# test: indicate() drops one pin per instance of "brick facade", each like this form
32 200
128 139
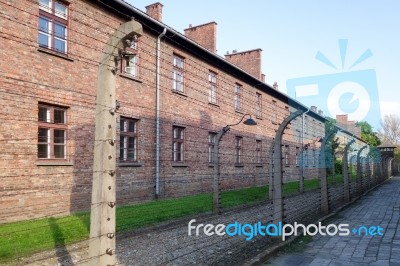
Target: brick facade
30 75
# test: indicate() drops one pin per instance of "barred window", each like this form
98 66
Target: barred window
128 136
212 93
53 25
239 149
177 73
238 97
178 144
211 144
52 132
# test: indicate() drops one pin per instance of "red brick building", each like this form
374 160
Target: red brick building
50 52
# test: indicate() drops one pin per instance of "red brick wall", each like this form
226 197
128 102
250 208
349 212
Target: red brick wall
29 76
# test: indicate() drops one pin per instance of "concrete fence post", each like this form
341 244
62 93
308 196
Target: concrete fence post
277 171
322 171
217 173
345 172
359 170
102 217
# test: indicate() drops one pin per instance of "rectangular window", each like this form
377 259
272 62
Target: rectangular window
258 105
53 25
212 93
238 97
128 137
177 74
297 156
286 154
258 151
211 144
239 149
129 64
178 143
52 132
274 115
305 158
314 158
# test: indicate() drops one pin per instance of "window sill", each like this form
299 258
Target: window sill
211 165
53 163
287 165
259 117
131 77
179 164
239 111
214 104
275 123
239 165
51 52
259 165
180 93
130 164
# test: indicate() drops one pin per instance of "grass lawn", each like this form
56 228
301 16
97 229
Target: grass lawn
27 237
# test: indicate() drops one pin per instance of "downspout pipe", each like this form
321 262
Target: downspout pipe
158 113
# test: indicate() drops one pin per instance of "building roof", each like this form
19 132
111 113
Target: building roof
128 10
386 144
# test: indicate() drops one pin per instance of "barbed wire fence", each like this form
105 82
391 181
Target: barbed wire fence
46 206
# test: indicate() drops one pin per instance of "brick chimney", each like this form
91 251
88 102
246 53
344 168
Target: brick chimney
263 78
342 120
249 61
155 11
205 35
314 108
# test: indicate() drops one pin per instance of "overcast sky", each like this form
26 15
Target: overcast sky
292 32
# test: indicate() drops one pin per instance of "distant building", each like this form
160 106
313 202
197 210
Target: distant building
343 122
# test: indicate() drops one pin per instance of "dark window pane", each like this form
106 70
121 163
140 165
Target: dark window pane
131 143
43 114
43 135
59 151
122 125
122 154
132 126
59 136
131 155
43 151
59 116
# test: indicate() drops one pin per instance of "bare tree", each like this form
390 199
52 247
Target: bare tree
390 129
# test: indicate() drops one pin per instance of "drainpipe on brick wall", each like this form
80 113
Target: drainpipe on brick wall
302 153
158 114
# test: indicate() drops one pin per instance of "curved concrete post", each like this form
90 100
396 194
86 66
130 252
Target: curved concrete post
359 169
390 161
102 216
352 166
322 172
277 177
345 171
217 173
